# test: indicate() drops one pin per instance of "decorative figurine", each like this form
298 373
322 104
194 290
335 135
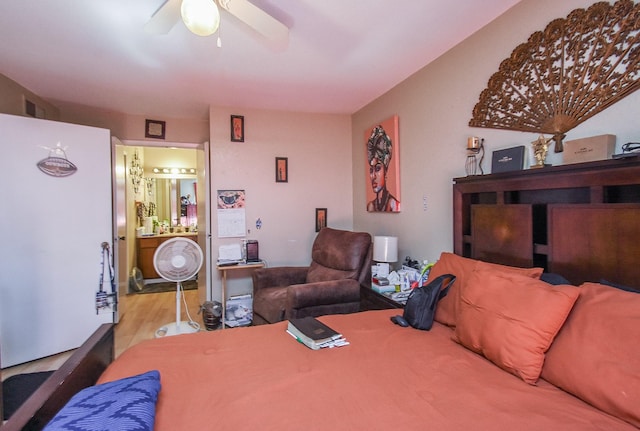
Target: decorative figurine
540 149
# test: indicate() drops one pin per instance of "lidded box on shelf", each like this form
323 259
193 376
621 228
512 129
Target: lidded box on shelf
599 147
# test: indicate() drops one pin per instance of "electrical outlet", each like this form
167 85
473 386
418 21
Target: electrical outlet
424 202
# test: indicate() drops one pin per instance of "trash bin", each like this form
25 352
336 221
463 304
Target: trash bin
211 314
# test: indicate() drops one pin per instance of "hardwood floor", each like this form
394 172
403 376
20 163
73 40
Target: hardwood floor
144 314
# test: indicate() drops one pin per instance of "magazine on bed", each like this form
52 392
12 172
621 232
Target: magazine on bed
314 334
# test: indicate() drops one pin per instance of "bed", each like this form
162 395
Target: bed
393 377
511 348
389 377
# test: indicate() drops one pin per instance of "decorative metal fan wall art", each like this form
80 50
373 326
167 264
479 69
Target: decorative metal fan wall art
560 77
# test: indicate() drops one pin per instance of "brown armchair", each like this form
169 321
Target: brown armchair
340 263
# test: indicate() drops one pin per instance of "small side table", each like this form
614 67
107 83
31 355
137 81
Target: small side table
226 268
372 300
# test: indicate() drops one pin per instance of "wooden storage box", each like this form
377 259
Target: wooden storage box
589 149
508 159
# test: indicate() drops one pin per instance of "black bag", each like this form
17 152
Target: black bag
421 304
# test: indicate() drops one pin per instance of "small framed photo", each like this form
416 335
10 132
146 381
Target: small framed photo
282 170
321 218
154 129
237 128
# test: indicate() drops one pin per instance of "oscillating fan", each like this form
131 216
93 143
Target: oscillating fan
178 259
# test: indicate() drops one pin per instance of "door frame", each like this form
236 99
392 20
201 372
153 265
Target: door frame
204 283
119 196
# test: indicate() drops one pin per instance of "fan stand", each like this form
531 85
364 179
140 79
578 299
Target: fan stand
178 327
178 259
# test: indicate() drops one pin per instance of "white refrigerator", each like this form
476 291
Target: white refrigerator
52 227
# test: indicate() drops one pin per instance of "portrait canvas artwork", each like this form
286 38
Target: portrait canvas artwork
383 166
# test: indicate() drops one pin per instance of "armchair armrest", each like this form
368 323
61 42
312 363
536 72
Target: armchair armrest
322 293
279 276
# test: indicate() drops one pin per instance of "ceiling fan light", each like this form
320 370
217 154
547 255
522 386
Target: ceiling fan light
201 17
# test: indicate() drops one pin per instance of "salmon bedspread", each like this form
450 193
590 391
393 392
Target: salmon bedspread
388 378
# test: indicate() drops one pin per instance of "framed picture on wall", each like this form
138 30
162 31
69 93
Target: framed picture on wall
282 170
321 218
237 128
154 129
383 166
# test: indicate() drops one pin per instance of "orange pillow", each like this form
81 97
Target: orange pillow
462 268
596 355
512 319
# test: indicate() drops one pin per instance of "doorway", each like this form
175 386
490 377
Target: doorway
162 193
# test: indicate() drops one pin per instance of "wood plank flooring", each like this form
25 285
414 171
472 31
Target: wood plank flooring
144 314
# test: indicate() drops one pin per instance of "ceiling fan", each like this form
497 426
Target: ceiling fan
163 20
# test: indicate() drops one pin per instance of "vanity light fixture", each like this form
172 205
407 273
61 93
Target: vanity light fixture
174 171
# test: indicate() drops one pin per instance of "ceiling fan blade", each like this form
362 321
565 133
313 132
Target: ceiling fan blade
257 19
163 20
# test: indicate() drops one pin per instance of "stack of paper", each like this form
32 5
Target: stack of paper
315 334
229 253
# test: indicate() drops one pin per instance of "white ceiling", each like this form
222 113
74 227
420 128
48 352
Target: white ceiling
341 54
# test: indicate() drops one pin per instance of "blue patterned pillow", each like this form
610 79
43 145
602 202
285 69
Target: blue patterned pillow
618 286
126 404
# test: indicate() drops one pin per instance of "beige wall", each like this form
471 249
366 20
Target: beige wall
13 98
434 108
327 155
319 153
124 126
132 127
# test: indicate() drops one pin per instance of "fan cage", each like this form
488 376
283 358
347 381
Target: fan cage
178 259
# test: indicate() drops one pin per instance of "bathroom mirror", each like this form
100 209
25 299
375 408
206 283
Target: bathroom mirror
175 200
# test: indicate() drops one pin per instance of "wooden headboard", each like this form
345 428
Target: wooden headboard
581 221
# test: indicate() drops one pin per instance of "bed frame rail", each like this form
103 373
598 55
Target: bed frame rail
81 370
